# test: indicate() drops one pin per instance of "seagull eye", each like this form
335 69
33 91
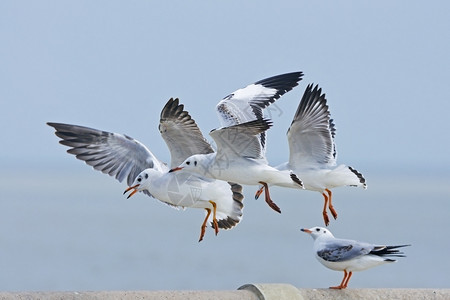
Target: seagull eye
139 179
317 229
146 176
188 163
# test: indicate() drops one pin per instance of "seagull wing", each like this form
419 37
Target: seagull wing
114 154
247 104
311 134
336 250
181 133
240 140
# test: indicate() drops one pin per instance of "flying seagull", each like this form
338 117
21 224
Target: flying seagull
123 157
241 141
312 151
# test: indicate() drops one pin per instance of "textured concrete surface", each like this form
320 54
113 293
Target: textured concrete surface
286 291
376 294
245 292
129 295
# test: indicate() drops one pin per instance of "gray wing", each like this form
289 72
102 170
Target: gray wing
181 133
247 104
311 134
341 250
241 140
114 154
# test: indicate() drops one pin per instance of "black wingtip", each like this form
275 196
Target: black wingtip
361 178
264 124
172 108
314 102
390 251
311 96
297 180
260 125
55 125
282 81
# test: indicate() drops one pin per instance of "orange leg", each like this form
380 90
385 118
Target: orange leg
348 278
216 225
203 228
268 200
330 205
343 282
324 211
259 192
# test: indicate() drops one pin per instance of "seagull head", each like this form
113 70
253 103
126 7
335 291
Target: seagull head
317 232
141 182
190 164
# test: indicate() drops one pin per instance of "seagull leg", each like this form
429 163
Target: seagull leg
216 225
348 278
342 285
259 192
324 211
203 228
268 200
330 206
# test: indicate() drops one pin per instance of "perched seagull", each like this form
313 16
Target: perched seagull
241 141
349 255
124 157
312 151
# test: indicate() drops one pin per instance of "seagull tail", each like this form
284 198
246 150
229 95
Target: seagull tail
230 214
345 175
389 251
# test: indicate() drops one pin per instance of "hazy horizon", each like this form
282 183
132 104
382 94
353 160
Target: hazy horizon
112 65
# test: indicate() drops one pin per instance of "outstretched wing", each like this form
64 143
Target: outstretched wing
311 134
181 133
241 140
114 154
247 104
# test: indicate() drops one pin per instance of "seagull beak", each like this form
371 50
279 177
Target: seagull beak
175 169
134 188
306 230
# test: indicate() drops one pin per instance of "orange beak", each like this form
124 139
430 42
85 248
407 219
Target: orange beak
306 230
175 169
134 188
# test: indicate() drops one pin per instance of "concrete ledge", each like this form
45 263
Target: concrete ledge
245 292
130 295
285 291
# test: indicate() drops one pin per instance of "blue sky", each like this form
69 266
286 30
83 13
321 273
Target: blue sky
112 65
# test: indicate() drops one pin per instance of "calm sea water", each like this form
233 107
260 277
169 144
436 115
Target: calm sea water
65 231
